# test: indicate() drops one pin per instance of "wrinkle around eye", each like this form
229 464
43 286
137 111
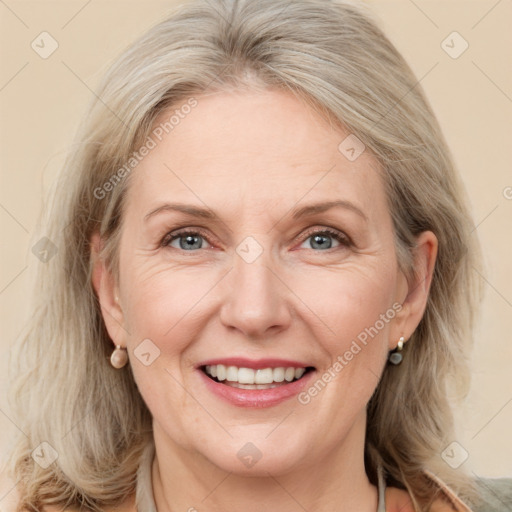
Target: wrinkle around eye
348 236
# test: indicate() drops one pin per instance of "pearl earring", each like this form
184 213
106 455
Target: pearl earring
119 357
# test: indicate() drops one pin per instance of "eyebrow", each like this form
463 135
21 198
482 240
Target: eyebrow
322 207
305 211
183 208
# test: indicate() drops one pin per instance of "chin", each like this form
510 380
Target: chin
258 457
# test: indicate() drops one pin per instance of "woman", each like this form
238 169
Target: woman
263 289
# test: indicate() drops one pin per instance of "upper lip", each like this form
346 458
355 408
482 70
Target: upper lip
255 364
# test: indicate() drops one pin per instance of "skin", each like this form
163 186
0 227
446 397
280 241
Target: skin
253 158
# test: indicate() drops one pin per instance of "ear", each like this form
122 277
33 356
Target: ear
416 288
107 291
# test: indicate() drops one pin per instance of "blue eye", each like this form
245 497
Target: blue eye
187 240
322 239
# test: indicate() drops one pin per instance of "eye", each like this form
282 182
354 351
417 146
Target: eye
322 239
187 240
190 240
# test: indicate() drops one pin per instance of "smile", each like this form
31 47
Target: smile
249 378
254 383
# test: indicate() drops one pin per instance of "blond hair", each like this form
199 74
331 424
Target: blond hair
332 55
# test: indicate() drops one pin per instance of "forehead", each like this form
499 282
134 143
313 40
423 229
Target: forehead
263 149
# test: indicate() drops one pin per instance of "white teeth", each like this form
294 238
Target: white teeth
278 374
247 378
264 376
232 373
289 374
251 386
221 372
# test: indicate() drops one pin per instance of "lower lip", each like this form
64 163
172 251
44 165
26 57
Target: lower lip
256 397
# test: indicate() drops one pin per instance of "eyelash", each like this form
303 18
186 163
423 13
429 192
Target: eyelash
337 235
343 239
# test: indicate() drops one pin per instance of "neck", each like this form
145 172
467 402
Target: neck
185 481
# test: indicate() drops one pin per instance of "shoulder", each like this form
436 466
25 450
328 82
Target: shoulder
127 505
398 500
10 499
496 495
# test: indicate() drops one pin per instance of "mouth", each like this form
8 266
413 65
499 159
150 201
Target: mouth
249 378
256 383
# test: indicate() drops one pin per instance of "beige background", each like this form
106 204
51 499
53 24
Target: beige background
41 101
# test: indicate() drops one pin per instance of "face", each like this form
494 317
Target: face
226 268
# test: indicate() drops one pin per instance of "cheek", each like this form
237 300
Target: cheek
352 311
168 304
160 312
164 302
349 301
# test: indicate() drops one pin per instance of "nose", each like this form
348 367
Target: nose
255 300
